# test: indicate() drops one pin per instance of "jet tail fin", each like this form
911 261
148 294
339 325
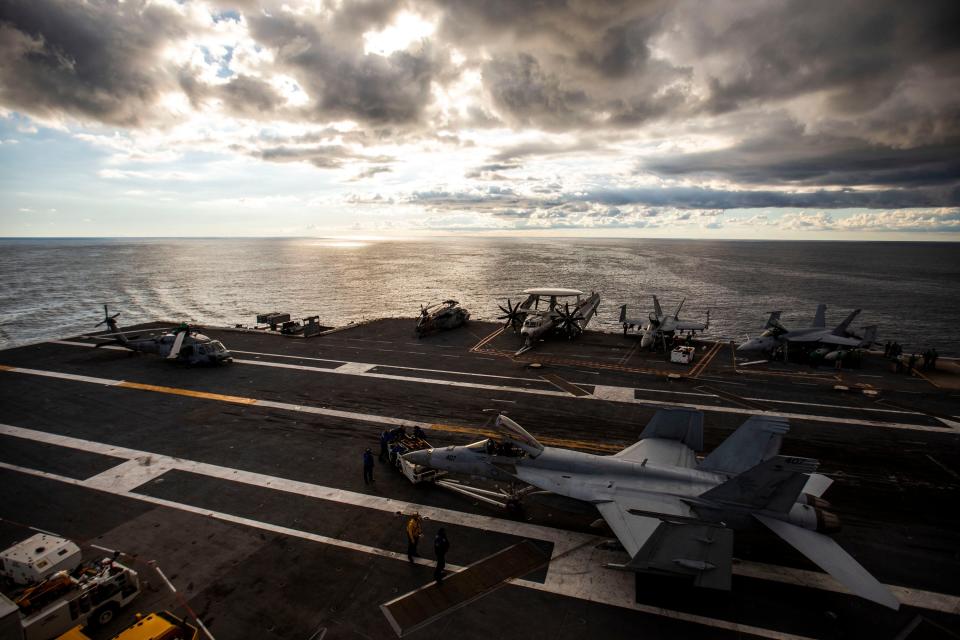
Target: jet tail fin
676 314
820 317
773 485
831 557
841 329
869 336
773 320
623 314
656 307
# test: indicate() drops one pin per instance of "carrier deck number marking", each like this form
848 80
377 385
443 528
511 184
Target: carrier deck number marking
571 555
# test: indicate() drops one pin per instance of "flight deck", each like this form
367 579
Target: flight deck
243 483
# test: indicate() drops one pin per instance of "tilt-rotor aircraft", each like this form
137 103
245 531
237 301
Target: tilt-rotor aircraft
673 514
534 322
817 336
660 325
180 343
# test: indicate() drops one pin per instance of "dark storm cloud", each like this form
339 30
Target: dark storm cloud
247 96
859 51
343 82
329 156
694 198
96 60
790 157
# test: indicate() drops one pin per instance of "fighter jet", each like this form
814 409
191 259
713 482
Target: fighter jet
660 325
817 336
180 343
672 514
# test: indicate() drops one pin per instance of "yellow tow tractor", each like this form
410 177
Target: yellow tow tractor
162 625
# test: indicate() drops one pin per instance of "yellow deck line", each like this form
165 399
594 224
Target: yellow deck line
187 392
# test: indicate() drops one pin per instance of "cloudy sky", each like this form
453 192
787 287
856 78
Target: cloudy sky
739 118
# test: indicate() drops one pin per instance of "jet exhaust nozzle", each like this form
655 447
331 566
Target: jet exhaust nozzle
827 521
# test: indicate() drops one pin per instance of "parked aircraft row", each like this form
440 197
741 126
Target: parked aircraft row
545 312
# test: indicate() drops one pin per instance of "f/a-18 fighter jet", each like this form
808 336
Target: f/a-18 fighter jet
179 343
535 318
660 325
673 514
817 336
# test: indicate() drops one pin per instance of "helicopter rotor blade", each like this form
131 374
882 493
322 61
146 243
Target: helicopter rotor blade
177 344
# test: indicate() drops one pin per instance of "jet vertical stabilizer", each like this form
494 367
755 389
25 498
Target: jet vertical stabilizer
820 317
841 329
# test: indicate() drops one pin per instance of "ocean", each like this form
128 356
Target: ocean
57 287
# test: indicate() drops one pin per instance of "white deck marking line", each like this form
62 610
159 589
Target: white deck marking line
352 367
501 388
356 368
570 573
388 376
616 394
72 343
129 475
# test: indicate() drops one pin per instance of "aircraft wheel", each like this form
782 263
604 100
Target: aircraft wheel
104 615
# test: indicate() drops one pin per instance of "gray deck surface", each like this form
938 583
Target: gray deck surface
244 483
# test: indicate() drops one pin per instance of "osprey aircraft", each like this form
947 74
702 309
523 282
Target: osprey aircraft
660 325
672 513
817 336
534 322
180 343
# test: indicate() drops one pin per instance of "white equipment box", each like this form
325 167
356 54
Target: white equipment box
682 355
37 558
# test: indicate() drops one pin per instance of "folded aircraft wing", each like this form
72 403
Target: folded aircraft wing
831 557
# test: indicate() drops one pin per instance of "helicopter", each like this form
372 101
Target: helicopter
441 316
180 343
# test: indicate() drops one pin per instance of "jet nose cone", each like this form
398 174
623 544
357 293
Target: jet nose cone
421 457
749 345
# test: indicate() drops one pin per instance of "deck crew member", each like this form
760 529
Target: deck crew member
384 444
440 547
414 531
367 466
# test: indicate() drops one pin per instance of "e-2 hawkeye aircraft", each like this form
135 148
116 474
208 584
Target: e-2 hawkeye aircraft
179 343
660 325
672 514
534 322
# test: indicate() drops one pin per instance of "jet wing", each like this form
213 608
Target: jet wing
670 438
660 451
754 441
831 557
686 325
695 549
